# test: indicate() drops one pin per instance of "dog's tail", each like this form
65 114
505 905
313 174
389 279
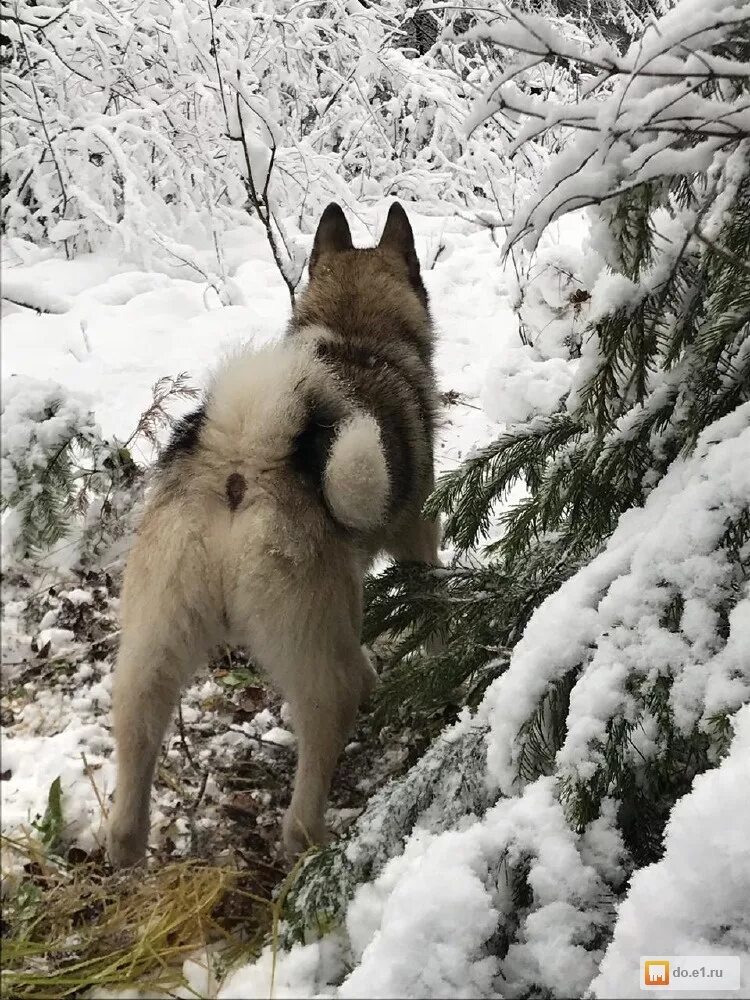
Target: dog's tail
282 404
356 484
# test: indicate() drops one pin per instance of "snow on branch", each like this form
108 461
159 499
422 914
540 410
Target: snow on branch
121 121
665 108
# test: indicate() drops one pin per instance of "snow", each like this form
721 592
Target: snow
625 127
24 291
141 326
520 385
410 910
443 898
124 329
280 737
494 891
299 974
612 292
34 762
608 614
695 900
37 418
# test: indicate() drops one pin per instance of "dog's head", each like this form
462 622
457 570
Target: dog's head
395 255
364 291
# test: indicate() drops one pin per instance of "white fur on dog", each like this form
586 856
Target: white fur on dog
252 398
356 483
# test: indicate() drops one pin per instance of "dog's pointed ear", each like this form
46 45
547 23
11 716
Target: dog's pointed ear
398 237
397 234
333 234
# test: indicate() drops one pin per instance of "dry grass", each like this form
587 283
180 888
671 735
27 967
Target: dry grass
71 928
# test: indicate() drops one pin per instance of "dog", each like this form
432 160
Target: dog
305 460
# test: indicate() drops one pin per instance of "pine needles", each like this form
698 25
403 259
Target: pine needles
658 364
471 618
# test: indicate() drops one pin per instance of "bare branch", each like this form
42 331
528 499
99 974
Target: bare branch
260 202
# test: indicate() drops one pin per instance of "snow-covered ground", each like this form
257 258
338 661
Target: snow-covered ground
122 329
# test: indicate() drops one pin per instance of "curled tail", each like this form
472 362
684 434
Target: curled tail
356 484
282 405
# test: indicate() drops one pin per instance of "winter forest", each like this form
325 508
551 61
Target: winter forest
561 785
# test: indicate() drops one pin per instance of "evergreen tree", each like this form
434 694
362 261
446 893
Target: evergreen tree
60 477
663 378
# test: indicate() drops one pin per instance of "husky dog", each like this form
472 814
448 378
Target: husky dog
305 460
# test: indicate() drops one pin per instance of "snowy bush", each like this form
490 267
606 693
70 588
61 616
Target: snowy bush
699 854
46 433
123 119
642 652
653 325
516 904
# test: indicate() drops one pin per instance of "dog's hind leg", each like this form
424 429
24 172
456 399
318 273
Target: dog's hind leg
164 638
147 687
323 696
418 541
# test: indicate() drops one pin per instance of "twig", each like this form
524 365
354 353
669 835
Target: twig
183 741
260 740
613 67
194 835
24 305
42 121
87 771
215 48
201 792
732 258
260 203
436 258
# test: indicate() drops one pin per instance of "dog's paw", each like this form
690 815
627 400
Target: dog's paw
125 849
299 837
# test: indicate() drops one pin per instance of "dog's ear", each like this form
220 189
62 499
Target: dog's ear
398 237
397 234
333 234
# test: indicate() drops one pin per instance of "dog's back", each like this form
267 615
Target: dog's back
279 421
304 460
